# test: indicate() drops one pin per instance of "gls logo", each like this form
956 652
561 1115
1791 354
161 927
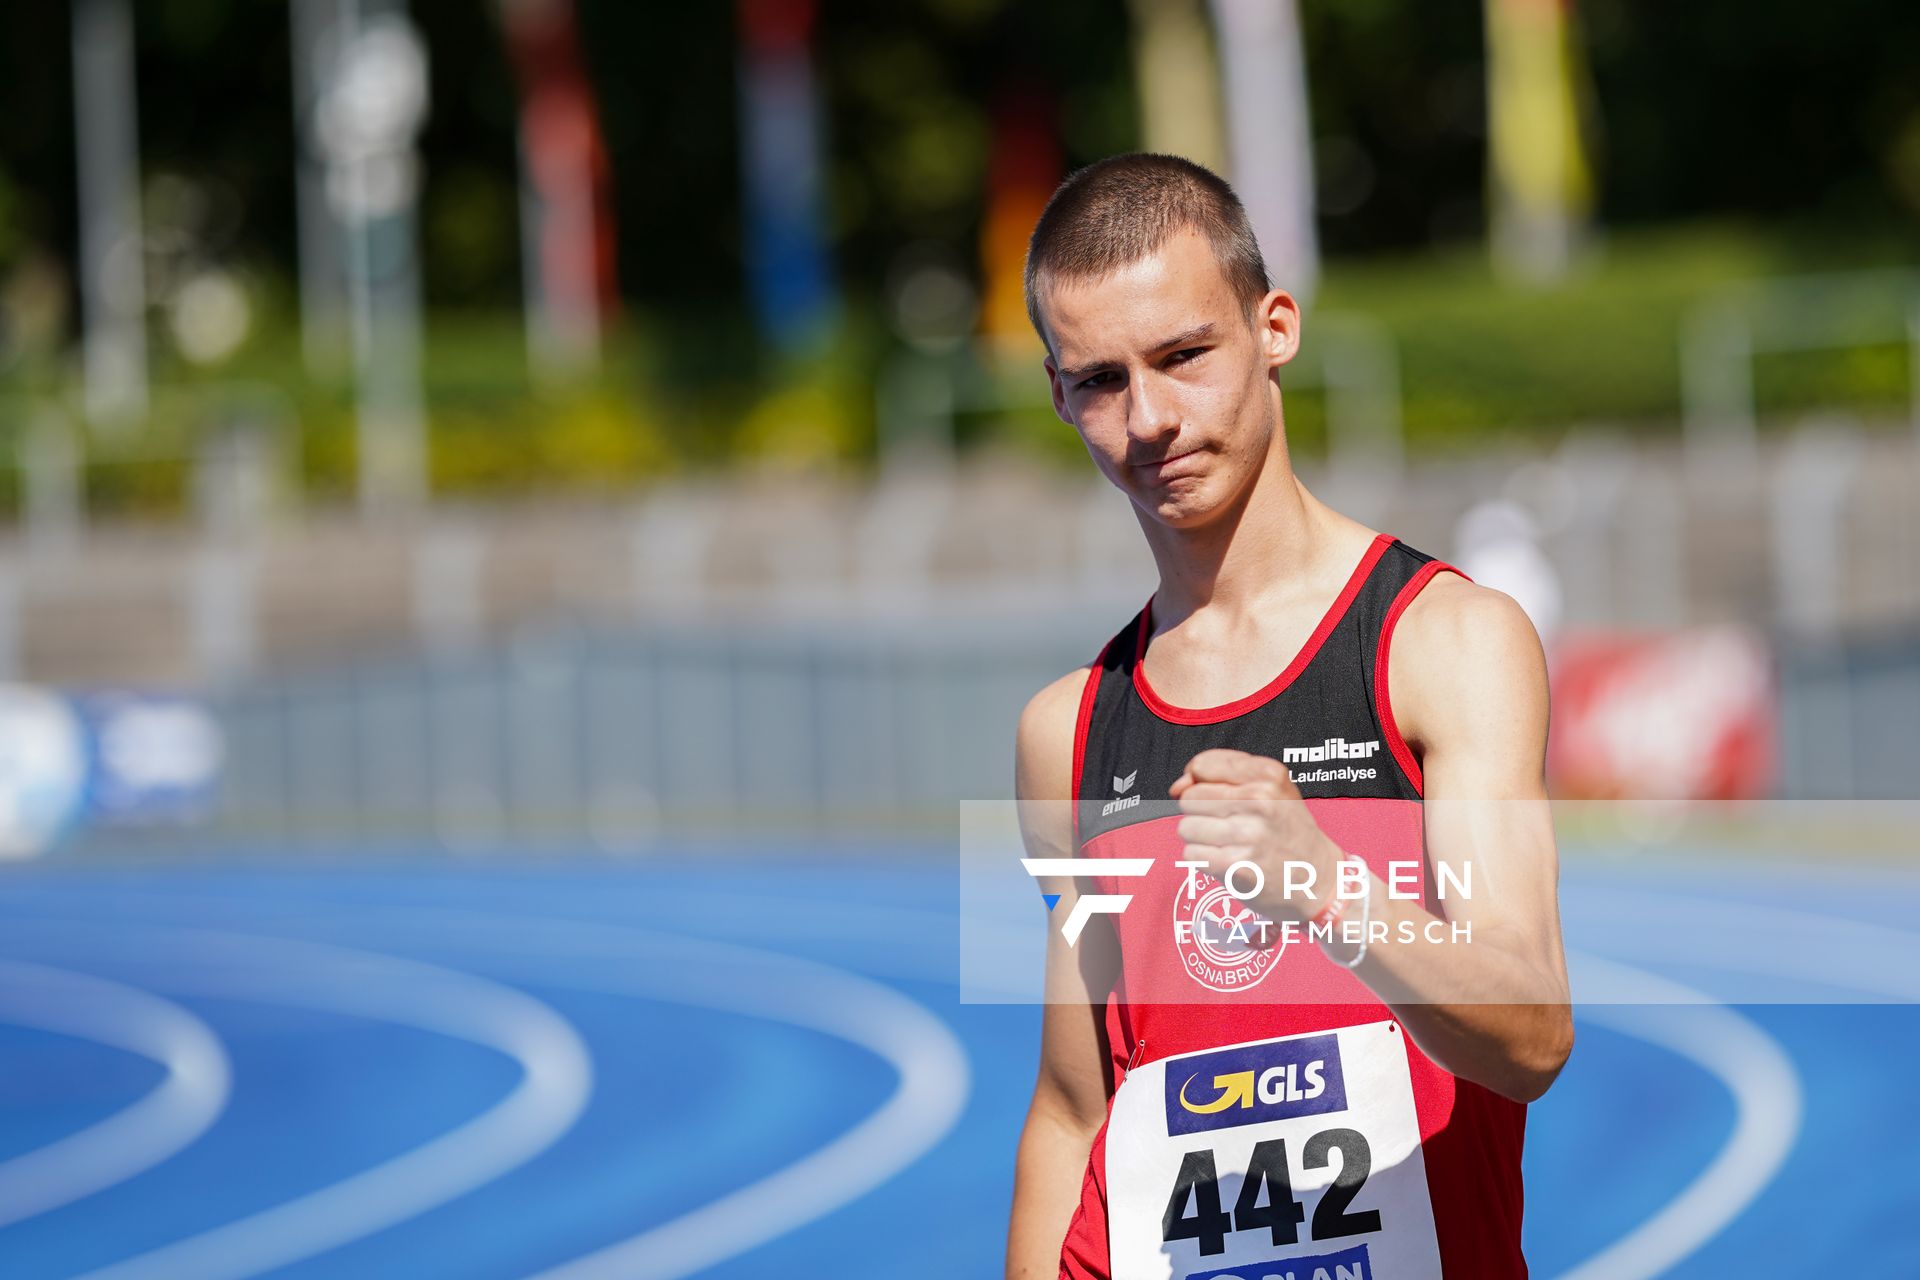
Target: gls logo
1276 1084
1255 1083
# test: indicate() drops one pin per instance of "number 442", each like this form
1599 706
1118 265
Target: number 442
1281 1214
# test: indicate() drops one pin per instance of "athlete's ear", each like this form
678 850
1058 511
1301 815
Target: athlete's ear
1276 325
1059 392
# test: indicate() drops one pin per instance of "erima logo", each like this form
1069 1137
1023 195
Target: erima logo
1121 785
1255 1083
1331 749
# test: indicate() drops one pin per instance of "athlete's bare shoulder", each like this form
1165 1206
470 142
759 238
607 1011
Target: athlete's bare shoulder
1467 667
1043 750
1452 608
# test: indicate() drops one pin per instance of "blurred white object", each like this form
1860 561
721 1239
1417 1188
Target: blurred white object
1716 392
449 587
371 110
43 769
314 27
1593 472
671 544
899 536
211 317
161 744
933 305
112 267
372 103
156 759
221 589
1811 499
1269 134
1497 545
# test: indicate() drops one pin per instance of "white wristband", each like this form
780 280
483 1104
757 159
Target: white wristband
1366 918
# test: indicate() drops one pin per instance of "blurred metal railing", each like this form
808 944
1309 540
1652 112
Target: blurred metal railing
577 735
1850 717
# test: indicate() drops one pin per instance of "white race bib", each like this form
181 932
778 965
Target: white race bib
1289 1159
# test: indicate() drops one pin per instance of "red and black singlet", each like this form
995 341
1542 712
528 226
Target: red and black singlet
1188 987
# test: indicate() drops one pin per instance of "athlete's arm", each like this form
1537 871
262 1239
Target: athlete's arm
1070 1095
1468 686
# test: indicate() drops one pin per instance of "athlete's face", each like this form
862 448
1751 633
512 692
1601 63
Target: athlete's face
1166 378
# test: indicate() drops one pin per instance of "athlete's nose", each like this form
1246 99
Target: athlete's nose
1153 414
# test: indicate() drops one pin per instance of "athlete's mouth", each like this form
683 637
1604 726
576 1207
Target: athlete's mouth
1159 467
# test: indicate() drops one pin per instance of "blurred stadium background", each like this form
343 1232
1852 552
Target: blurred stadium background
499 498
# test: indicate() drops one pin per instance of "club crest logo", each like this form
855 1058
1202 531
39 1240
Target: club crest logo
1222 941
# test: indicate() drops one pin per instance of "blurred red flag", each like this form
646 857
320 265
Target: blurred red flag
565 159
1685 715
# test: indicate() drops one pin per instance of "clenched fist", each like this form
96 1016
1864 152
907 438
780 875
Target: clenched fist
1238 807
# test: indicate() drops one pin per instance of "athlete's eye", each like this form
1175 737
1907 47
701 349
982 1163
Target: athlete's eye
1188 355
1095 381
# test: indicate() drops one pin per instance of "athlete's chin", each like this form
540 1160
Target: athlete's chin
1184 503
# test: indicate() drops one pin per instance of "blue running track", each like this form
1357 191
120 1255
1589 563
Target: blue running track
759 1066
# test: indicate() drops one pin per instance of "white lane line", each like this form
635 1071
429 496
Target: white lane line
1731 1047
1768 941
161 1122
934 1081
931 1092
1759 940
921 945
1756 1070
556 1080
933 1085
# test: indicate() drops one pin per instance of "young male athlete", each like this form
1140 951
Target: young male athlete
1242 1083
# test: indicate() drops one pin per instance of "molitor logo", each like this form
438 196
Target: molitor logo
1224 944
1255 1083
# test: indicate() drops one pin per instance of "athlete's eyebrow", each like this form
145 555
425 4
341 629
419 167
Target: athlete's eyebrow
1199 333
